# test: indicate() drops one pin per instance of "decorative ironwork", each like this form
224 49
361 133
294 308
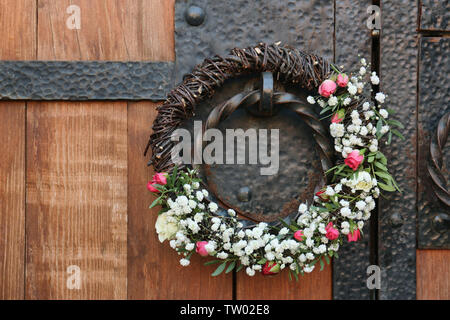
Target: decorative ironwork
435 169
84 80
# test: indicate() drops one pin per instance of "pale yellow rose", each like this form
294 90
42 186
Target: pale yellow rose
165 228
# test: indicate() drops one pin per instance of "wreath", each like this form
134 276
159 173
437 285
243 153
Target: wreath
194 223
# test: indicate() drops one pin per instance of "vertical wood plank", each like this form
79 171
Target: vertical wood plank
18 29
314 286
76 199
433 274
154 271
110 30
12 200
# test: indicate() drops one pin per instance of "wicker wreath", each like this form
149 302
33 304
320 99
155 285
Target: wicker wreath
190 218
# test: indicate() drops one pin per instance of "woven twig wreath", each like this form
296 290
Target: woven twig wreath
435 169
191 219
287 64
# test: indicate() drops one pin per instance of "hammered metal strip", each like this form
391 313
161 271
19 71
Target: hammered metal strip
434 95
352 38
84 80
397 214
435 15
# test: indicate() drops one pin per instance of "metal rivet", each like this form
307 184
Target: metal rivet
441 222
375 33
195 15
396 220
244 194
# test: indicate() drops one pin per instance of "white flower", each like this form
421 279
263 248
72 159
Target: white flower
329 191
190 246
338 188
384 113
344 203
308 269
374 78
337 130
302 208
195 185
345 211
231 212
222 255
321 103
363 131
384 129
362 182
352 89
165 228
250 271
187 188
380 97
182 201
283 231
309 242
199 195
345 225
373 148
311 100
302 257
366 106
310 256
184 262
213 207
360 224
332 101
347 101
192 204
363 61
361 204
205 192
362 71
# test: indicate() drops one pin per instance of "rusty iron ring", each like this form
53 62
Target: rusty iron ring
289 65
248 99
436 168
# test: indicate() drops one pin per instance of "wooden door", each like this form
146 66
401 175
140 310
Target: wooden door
73 175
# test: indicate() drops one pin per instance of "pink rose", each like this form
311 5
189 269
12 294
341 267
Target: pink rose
151 188
271 268
354 159
354 236
332 232
298 235
342 80
336 118
327 88
200 248
321 194
160 178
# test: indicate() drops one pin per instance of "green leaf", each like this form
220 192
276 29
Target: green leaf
398 134
321 265
239 268
327 259
155 202
381 166
370 159
231 267
389 138
396 123
211 262
385 187
383 175
379 125
262 261
219 269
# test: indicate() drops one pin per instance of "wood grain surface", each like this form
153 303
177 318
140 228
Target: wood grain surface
76 210
12 200
154 271
109 30
433 274
18 29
